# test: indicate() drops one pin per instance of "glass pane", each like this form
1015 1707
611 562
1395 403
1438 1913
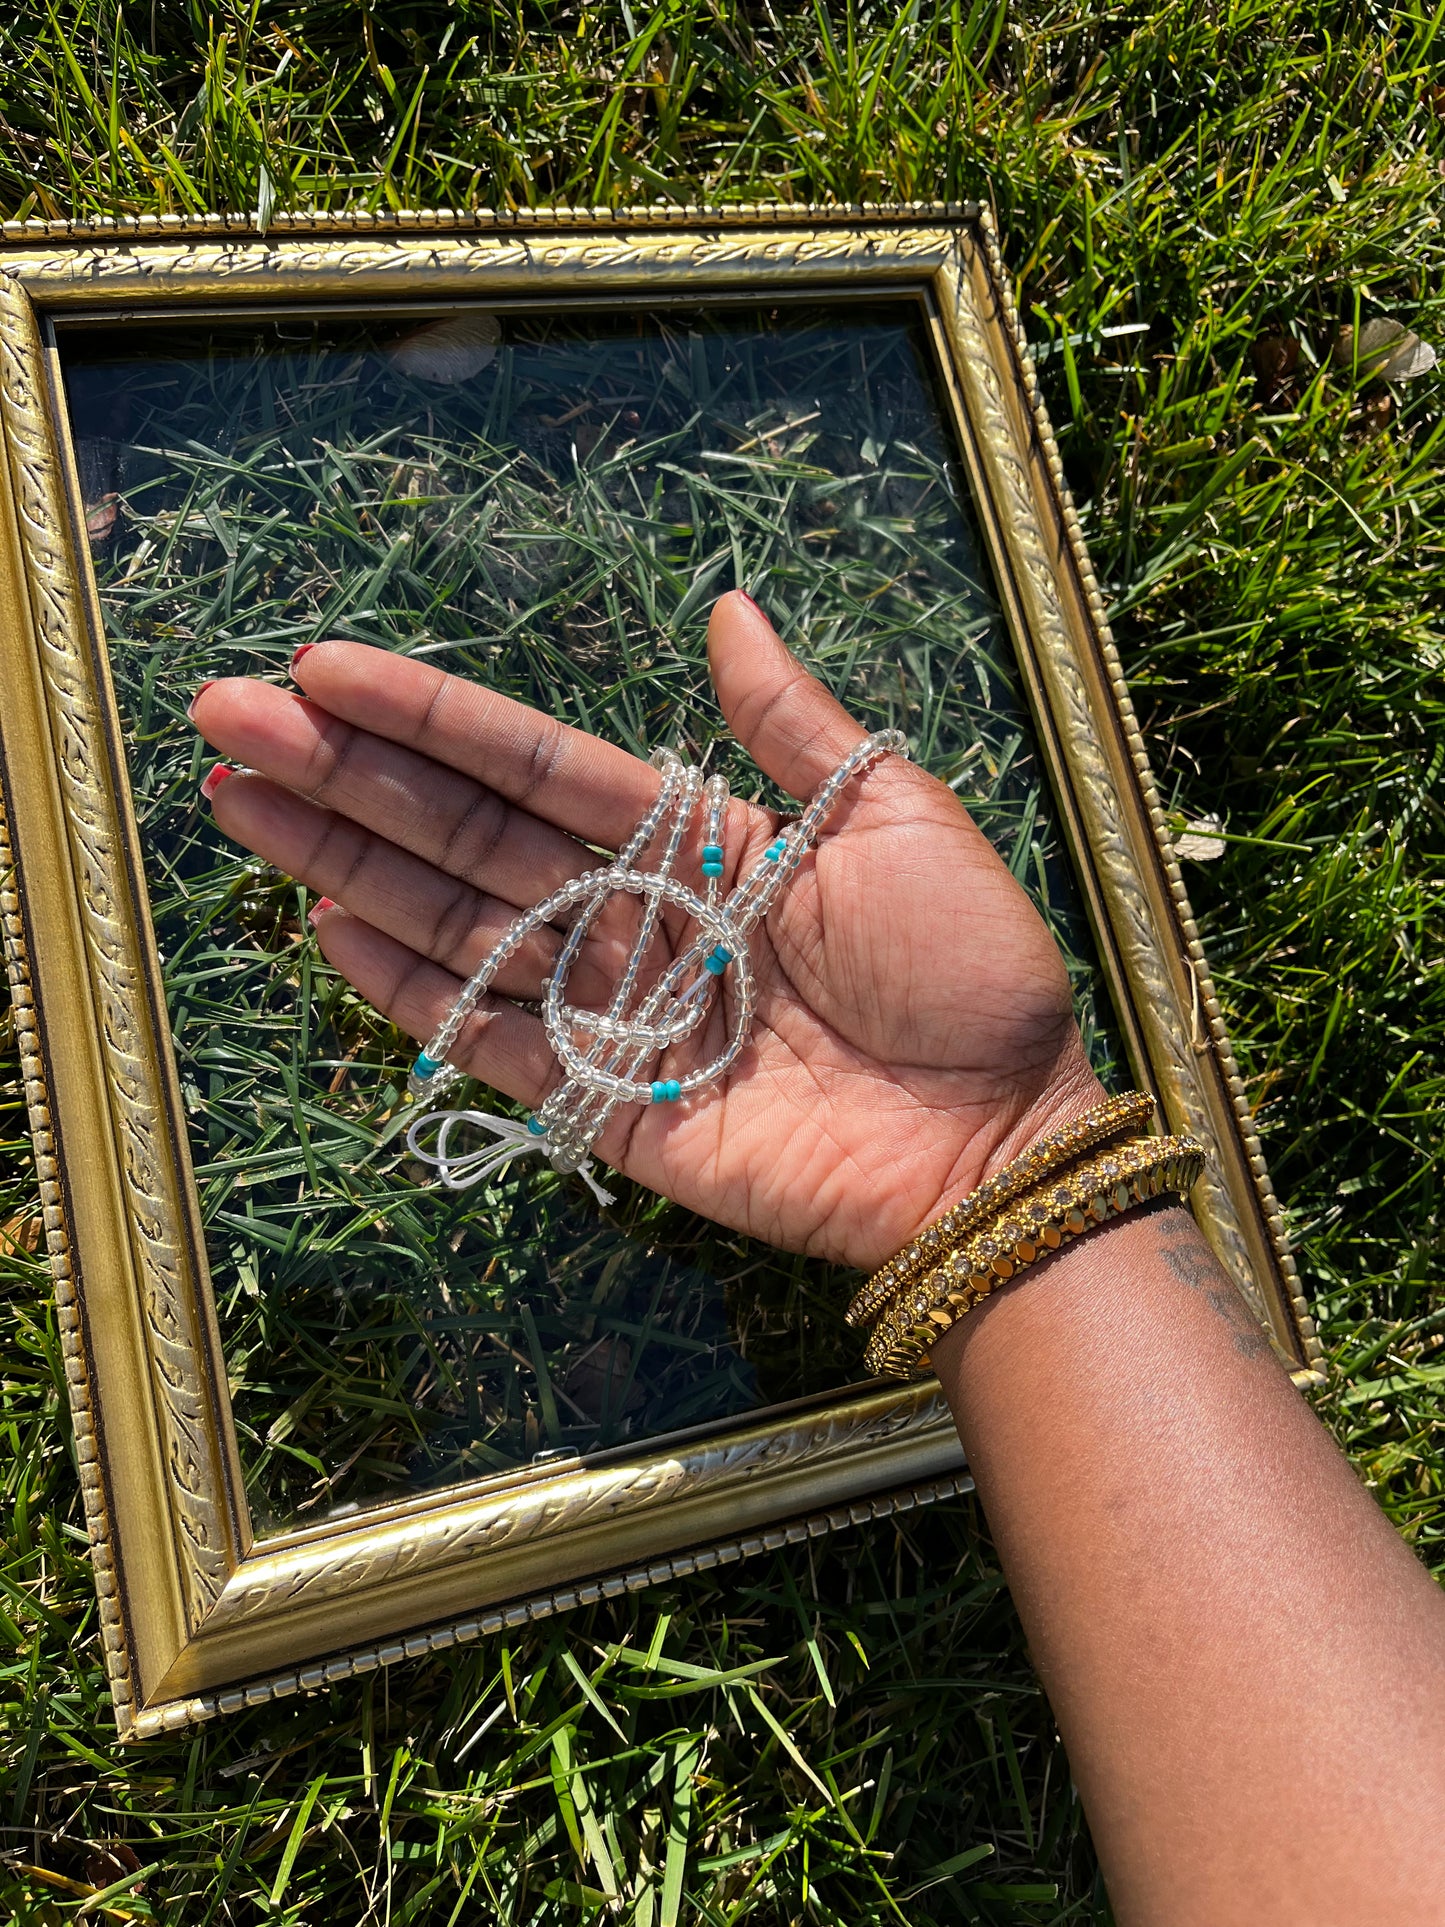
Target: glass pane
550 502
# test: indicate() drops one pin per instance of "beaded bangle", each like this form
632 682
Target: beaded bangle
1040 1222
1127 1112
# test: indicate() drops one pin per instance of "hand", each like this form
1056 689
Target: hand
914 1027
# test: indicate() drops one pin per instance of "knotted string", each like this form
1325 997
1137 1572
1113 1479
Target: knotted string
466 1168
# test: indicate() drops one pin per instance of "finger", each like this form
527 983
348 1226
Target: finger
791 726
579 783
451 821
507 1049
449 921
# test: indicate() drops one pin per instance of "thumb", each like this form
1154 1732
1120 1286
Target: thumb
794 729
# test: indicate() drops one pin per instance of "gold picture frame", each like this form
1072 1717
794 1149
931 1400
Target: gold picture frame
199 1615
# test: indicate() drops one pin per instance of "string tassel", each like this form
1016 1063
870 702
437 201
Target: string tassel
512 1136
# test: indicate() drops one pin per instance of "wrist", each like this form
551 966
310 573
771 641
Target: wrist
968 1150
1069 1090
1084 1171
1072 1090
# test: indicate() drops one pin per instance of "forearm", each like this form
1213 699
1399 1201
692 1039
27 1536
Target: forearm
1247 1664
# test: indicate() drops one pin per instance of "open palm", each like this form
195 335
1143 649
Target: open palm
913 1015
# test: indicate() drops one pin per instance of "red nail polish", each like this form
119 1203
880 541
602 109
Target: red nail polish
751 604
319 909
214 781
299 654
191 706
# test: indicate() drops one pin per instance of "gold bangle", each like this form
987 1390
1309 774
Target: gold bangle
1074 1202
992 1255
1058 1212
1128 1112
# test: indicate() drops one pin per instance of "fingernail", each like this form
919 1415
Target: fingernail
751 604
319 909
299 654
214 781
191 706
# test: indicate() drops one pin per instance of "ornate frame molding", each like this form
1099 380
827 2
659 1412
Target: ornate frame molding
196 1618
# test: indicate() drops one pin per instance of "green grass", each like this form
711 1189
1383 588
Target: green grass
380 1338
850 1733
559 524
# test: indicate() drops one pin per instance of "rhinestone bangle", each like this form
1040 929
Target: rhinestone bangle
1116 1116
1101 1188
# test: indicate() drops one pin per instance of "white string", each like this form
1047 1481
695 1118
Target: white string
461 1172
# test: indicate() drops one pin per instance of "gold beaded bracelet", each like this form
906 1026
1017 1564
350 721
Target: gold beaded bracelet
1052 1215
1116 1116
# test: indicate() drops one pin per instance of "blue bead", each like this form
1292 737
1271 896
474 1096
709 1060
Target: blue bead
674 1090
425 1066
723 956
715 964
712 853
659 1093
774 851
536 1127
711 869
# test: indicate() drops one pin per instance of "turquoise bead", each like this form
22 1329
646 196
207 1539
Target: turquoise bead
718 962
712 853
659 1093
774 851
674 1090
425 1066
711 869
667 1090
536 1127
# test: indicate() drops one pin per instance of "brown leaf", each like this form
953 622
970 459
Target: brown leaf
448 352
25 1232
1275 358
98 459
1377 411
100 518
109 1861
598 1379
1385 350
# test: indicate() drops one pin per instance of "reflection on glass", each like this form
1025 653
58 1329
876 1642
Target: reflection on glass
550 503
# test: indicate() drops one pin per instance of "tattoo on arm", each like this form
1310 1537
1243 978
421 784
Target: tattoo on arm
1183 1249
